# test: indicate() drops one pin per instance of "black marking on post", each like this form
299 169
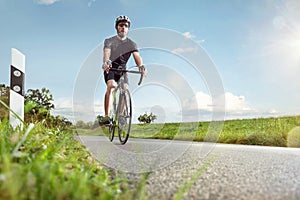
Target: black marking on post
17 80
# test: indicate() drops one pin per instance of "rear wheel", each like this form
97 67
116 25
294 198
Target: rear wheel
124 116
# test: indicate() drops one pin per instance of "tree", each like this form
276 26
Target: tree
147 118
38 104
4 91
58 121
4 97
36 109
82 125
37 100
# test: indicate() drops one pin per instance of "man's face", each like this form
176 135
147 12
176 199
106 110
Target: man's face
122 29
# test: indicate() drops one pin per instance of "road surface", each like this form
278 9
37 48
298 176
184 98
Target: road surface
190 170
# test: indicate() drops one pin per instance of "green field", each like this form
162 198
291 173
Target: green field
282 131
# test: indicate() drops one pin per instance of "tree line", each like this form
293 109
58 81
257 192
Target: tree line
37 106
145 119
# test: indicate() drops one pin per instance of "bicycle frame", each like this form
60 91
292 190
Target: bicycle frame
118 106
115 114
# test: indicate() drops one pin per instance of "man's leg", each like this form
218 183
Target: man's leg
110 87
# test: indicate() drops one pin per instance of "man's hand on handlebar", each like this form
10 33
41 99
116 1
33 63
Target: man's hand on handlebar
143 70
107 65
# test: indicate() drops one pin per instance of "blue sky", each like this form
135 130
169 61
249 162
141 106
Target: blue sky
254 45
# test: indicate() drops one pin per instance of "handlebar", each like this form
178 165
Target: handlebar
130 71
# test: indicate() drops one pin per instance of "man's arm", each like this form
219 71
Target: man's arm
139 61
137 58
106 55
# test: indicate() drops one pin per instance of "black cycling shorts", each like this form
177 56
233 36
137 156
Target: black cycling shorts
112 75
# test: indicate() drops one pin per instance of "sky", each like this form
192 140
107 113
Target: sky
252 49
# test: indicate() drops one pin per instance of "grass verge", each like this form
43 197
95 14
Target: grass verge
41 163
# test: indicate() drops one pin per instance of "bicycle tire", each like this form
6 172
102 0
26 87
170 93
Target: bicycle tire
113 113
111 132
124 116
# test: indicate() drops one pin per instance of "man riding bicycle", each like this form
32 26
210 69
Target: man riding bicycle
116 53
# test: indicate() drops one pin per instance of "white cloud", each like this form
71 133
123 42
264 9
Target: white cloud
63 103
234 104
47 2
188 35
91 2
272 111
200 41
184 50
200 101
188 49
65 107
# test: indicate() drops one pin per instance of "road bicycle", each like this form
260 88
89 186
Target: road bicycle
121 111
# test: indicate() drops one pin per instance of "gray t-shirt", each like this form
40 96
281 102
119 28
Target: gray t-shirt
120 50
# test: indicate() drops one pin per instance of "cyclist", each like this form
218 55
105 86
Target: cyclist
116 52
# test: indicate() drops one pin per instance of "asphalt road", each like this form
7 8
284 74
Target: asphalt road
189 170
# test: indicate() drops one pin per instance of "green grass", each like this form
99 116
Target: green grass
262 131
41 163
91 132
281 131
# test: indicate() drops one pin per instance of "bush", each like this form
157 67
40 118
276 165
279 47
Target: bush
147 119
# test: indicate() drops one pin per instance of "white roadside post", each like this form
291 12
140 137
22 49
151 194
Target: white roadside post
17 77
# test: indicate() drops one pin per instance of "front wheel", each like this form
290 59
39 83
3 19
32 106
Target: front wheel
113 112
124 116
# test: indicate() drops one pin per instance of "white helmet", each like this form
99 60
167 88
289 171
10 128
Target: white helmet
122 18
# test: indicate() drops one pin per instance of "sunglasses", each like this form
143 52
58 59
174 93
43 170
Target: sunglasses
122 24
